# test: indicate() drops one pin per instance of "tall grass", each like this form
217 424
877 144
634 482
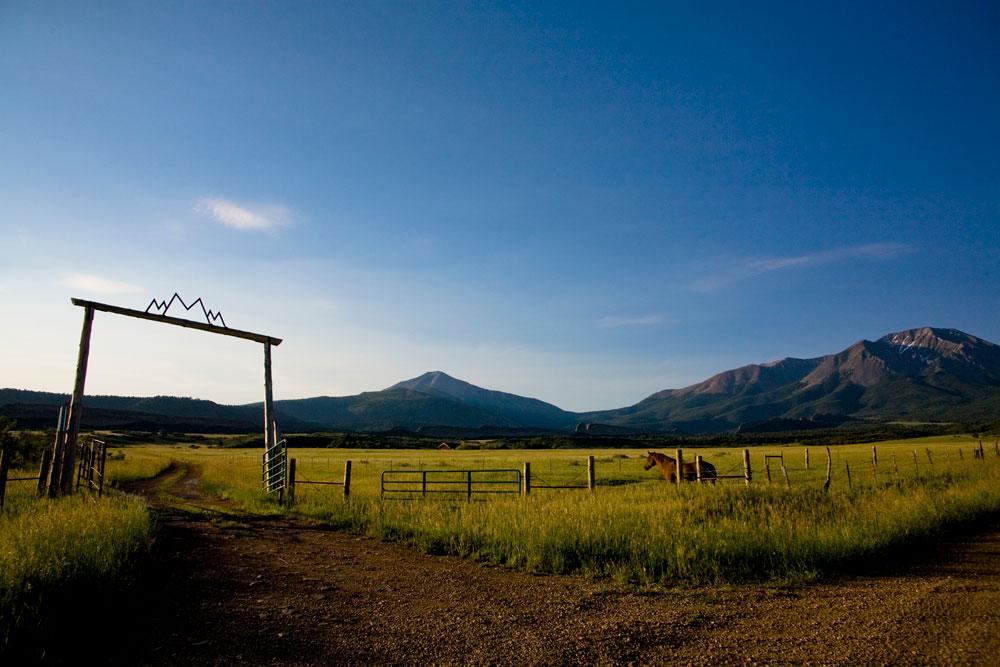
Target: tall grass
694 534
638 528
57 553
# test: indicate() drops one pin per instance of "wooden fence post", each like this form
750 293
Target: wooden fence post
697 468
526 478
104 460
347 479
679 455
916 464
468 482
929 459
291 481
767 469
43 470
996 447
847 466
784 473
747 473
591 478
982 454
4 467
829 470
807 458
961 457
875 465
57 453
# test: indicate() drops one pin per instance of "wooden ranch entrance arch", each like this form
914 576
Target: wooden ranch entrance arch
64 454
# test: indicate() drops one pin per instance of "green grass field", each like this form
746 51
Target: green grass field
635 527
54 553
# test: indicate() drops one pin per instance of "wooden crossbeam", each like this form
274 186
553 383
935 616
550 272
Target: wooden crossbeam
187 324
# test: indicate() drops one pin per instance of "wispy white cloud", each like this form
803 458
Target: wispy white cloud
88 282
616 321
752 268
244 216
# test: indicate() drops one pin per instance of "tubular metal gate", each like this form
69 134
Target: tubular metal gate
275 467
468 482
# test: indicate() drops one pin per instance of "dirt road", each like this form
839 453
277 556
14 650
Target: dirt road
233 590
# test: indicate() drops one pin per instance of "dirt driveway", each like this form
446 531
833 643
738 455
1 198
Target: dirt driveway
233 590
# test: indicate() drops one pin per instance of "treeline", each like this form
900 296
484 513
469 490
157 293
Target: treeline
28 445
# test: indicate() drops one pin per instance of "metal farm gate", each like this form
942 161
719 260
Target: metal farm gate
411 483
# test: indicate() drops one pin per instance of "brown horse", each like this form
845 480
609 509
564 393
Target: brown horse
668 466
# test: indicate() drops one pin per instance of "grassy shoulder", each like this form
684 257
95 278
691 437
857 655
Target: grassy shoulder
58 556
690 535
638 528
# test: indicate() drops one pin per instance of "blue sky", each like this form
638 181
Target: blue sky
580 202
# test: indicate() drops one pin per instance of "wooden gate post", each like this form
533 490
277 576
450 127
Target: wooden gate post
697 468
347 479
268 403
747 473
526 478
76 404
829 470
784 473
4 467
591 482
291 481
679 455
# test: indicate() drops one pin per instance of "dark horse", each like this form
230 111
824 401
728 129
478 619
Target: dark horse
668 466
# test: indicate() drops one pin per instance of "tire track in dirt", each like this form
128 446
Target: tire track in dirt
229 589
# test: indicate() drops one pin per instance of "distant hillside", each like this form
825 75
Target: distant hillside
391 408
139 413
923 374
918 374
505 409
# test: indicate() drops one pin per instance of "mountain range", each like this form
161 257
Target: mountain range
924 374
